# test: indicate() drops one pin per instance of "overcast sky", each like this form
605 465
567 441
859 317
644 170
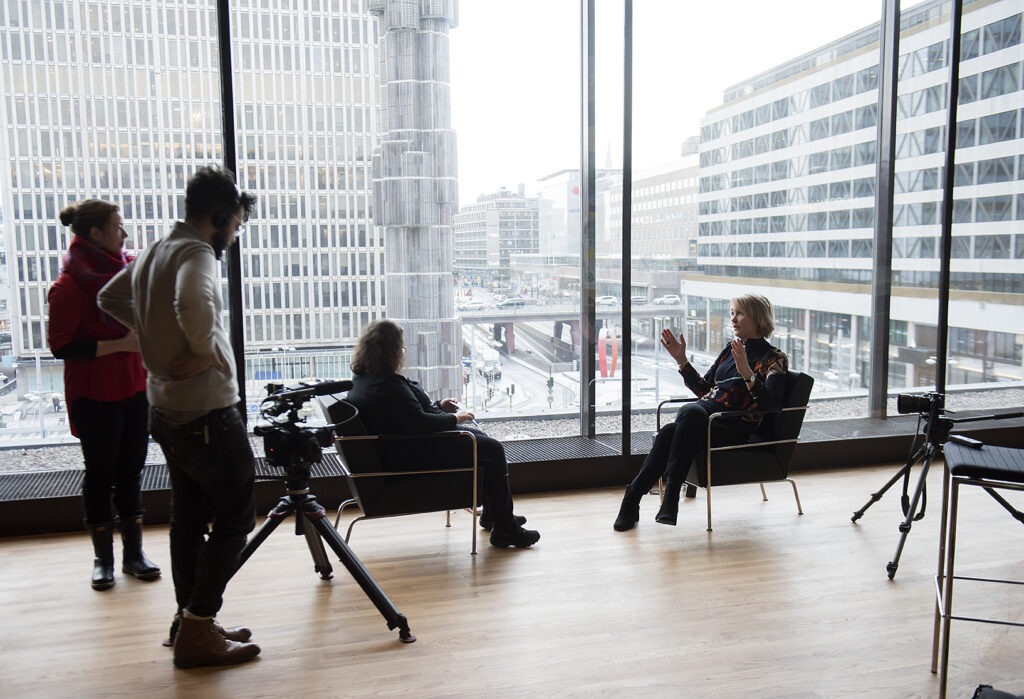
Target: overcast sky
515 75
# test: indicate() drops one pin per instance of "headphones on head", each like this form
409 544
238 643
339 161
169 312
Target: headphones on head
220 218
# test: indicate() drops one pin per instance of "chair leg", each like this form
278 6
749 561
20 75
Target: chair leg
799 508
448 518
947 597
764 495
348 534
940 573
709 503
341 508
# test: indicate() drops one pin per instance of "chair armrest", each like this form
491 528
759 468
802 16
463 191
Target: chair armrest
749 445
428 435
736 413
671 400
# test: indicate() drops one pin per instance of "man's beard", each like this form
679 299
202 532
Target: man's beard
219 241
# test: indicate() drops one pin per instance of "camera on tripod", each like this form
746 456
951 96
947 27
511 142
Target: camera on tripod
923 403
286 440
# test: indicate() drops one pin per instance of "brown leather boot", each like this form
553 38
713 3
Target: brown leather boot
232 633
198 643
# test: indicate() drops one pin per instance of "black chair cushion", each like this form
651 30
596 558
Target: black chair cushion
756 463
994 463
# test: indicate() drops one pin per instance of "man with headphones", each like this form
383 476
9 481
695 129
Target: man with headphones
170 296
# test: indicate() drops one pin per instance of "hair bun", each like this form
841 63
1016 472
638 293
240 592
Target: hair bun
67 214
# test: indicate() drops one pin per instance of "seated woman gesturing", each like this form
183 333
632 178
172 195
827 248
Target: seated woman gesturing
749 374
390 403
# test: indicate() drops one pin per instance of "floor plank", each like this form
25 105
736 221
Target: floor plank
771 604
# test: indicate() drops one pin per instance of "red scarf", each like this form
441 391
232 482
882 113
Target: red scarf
91 266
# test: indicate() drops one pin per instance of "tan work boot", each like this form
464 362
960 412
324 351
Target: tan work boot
198 643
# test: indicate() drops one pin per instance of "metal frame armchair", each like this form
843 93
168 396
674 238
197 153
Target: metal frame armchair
764 458
379 492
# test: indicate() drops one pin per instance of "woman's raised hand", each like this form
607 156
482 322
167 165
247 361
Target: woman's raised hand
676 346
739 355
449 405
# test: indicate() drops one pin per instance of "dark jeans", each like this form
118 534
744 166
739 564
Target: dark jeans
212 470
679 442
114 440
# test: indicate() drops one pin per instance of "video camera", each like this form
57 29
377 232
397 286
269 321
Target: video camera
288 442
922 403
930 407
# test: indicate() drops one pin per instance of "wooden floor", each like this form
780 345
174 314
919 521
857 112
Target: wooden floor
770 604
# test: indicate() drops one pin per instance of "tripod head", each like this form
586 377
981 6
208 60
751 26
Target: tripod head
288 442
930 407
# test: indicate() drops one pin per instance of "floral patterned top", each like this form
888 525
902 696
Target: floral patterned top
722 388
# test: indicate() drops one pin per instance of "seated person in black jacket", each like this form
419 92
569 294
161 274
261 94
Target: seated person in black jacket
390 403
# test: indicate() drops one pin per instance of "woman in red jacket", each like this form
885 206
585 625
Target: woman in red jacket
105 387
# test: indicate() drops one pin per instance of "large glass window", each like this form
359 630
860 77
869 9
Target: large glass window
985 188
82 124
517 228
432 174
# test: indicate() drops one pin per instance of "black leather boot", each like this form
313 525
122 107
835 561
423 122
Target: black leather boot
135 562
629 511
487 522
517 536
669 504
103 548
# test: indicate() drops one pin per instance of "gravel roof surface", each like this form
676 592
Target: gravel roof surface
69 456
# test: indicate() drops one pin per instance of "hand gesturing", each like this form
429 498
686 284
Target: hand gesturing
739 355
676 346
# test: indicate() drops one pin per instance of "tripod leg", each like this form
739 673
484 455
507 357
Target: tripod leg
875 497
316 548
891 566
281 510
363 577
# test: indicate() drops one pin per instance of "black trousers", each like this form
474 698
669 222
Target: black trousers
679 442
114 438
212 471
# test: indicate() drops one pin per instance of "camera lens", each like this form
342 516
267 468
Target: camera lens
913 403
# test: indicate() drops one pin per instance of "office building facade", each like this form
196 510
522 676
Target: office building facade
493 229
787 192
121 101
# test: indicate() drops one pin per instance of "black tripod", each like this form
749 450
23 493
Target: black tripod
311 521
936 434
937 429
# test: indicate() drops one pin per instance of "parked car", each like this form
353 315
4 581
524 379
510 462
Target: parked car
513 302
474 305
638 300
606 301
668 300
